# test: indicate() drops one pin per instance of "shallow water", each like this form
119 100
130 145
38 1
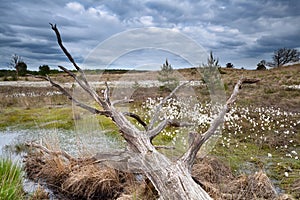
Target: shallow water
68 140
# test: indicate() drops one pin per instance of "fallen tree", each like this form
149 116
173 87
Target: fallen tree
171 179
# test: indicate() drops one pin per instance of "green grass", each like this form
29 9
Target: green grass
11 178
249 152
249 158
37 118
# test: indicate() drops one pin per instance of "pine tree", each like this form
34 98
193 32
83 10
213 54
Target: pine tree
166 76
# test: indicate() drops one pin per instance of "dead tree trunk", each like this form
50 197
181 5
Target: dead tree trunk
171 179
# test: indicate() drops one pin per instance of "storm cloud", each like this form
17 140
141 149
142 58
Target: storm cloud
237 31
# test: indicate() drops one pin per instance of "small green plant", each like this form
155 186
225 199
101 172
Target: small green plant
136 85
5 78
11 180
166 77
14 77
211 74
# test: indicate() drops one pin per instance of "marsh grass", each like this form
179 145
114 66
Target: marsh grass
245 153
11 178
217 178
60 117
253 138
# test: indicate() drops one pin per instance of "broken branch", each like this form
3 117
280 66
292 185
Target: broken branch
56 153
69 56
86 87
162 125
137 118
197 140
70 97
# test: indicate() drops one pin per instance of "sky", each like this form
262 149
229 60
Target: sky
141 34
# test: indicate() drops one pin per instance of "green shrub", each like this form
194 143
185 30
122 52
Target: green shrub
5 78
167 78
11 178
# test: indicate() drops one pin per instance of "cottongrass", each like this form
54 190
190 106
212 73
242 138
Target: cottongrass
254 134
264 126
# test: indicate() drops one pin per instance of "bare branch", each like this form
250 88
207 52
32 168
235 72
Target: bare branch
155 131
70 97
116 156
159 106
235 92
121 101
162 125
106 94
59 41
87 88
83 84
137 118
175 123
122 160
163 147
56 153
197 140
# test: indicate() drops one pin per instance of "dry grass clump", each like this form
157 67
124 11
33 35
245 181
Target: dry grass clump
296 187
256 186
39 194
93 182
211 170
139 190
217 179
85 179
72 178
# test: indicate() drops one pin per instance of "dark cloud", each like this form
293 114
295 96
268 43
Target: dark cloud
275 42
239 31
232 43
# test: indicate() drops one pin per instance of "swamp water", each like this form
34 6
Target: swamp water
67 140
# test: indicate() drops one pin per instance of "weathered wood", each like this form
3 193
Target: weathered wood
251 81
171 179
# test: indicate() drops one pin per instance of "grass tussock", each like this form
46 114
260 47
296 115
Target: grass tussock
84 179
39 194
218 180
11 178
93 181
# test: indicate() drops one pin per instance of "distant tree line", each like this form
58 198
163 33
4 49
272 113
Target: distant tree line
280 57
284 56
12 73
19 68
